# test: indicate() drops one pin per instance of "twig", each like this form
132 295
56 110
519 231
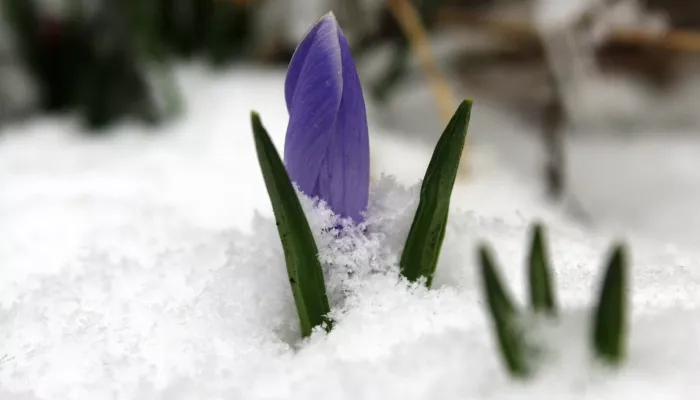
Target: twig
407 16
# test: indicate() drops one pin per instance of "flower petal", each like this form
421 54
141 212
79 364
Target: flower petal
296 65
313 89
344 177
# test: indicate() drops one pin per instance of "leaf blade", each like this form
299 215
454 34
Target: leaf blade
424 242
542 297
504 315
609 328
300 251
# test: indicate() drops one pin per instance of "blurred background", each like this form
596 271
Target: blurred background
593 105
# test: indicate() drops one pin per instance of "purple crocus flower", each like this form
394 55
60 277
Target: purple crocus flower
326 151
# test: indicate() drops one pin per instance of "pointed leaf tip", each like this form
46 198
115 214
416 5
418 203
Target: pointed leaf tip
609 328
492 281
255 120
540 278
424 242
504 315
300 251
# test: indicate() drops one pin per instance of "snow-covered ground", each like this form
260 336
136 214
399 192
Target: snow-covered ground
145 265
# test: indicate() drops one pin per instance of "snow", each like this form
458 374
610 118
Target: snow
146 265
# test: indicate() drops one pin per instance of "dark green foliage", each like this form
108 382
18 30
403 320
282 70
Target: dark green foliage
86 62
608 333
424 242
215 29
183 24
102 62
50 49
609 326
228 33
300 252
541 292
504 316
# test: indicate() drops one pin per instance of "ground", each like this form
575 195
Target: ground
145 264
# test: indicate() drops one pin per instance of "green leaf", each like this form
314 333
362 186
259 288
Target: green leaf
609 330
422 249
541 293
300 251
504 314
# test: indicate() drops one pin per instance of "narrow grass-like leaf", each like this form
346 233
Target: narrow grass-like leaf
541 293
609 327
504 314
422 249
300 251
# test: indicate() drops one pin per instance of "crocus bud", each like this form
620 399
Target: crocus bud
326 150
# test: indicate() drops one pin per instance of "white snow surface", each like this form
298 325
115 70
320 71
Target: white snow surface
146 265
